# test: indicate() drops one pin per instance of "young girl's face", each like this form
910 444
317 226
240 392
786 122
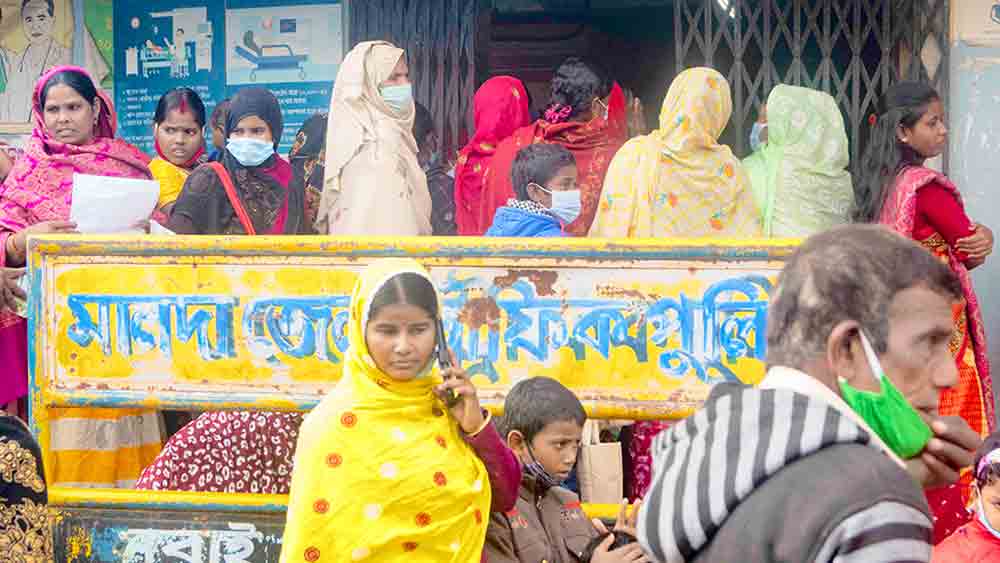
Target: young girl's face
991 503
179 136
401 339
929 136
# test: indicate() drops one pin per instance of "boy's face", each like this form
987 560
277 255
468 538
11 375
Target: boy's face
555 447
564 181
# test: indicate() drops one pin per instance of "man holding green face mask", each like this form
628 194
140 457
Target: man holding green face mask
827 459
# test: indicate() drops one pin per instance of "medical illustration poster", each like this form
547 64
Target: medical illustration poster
292 48
163 44
34 35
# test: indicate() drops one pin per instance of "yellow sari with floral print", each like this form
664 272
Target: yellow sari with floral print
679 181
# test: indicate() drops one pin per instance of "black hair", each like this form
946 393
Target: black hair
409 288
76 80
902 105
621 540
180 30
220 113
51 6
423 123
535 403
577 82
180 98
851 272
991 473
538 164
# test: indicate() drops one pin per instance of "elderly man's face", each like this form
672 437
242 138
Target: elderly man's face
918 360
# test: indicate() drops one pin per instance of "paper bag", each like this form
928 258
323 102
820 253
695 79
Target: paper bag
600 468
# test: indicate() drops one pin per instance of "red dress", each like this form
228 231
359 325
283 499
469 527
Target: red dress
925 206
593 144
972 543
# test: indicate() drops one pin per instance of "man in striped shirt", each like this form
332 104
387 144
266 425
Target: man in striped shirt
788 471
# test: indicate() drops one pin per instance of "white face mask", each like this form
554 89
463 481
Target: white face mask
981 514
566 205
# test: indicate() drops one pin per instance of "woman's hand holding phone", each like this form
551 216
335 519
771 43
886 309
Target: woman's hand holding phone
465 407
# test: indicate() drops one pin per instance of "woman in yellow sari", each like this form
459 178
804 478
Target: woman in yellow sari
384 468
179 140
678 181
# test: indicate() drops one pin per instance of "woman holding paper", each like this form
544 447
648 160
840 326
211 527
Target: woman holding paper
74 133
248 191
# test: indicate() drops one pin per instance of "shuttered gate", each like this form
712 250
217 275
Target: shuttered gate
852 49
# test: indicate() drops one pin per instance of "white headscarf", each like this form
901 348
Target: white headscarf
387 198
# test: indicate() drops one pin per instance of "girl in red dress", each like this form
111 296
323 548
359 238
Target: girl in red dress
897 190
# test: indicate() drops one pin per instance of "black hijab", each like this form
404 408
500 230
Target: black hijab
261 193
307 156
260 102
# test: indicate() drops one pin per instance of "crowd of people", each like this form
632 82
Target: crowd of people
878 386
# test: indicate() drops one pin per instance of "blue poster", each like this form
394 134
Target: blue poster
292 47
163 44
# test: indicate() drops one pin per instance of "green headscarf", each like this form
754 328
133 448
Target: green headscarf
799 176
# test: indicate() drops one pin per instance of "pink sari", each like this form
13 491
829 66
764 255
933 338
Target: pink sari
39 188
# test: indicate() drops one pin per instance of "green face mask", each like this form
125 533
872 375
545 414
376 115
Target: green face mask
887 412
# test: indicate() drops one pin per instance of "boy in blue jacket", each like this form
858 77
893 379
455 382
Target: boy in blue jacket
544 178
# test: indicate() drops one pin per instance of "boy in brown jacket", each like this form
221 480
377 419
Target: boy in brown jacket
543 425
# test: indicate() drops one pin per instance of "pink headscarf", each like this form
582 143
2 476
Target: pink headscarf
40 185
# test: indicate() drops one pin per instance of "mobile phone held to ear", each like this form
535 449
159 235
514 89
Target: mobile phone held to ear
444 361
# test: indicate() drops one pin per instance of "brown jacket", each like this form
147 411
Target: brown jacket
544 527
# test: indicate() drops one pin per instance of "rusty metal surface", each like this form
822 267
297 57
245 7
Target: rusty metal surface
638 330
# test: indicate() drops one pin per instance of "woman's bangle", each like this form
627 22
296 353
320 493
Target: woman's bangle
488 416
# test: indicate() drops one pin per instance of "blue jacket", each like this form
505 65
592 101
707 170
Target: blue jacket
513 222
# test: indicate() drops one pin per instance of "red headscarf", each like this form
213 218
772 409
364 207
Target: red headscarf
501 107
593 144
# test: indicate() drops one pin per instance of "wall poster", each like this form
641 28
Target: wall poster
292 47
34 36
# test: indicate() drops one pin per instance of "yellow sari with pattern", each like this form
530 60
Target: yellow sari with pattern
382 472
678 181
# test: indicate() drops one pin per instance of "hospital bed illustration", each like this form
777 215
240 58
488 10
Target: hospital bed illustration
255 55
153 59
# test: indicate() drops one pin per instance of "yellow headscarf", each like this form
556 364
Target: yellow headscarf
679 181
382 472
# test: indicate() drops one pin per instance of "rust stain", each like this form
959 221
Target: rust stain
479 312
543 280
615 292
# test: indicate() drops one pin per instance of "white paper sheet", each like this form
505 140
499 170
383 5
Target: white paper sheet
105 205
159 230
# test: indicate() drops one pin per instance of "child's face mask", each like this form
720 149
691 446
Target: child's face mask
887 412
566 204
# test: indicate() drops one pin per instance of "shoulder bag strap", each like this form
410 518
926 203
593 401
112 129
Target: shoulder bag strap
234 199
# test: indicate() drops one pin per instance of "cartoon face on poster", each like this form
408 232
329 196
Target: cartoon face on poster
34 36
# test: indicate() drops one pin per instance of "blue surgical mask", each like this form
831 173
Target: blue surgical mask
566 205
249 152
399 98
535 469
755 136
